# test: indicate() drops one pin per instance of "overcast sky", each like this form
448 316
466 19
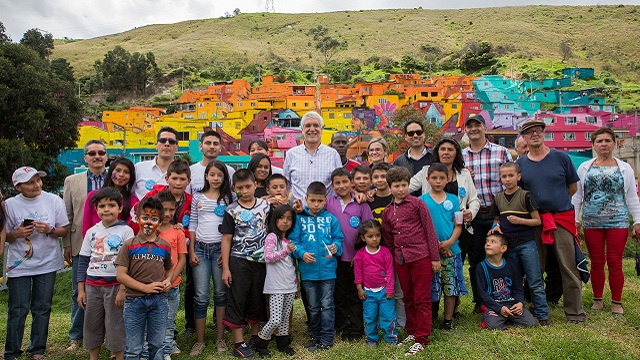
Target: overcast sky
83 19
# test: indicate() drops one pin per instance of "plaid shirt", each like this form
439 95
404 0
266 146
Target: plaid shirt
486 168
301 168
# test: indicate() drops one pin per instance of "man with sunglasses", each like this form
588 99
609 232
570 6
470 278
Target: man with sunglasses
76 188
152 172
418 155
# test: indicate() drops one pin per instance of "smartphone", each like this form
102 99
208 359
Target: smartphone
27 222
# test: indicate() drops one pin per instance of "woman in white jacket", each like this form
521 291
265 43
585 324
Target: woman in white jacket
460 183
606 195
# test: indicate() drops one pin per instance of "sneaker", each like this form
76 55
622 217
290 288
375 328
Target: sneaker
166 357
197 349
188 332
175 349
222 347
243 351
74 345
310 343
319 347
408 340
253 341
414 349
372 344
447 325
545 323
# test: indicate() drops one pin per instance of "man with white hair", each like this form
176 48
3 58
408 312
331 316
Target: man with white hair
310 161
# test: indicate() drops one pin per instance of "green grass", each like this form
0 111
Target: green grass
603 336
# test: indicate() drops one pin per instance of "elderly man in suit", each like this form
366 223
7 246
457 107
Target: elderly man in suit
76 188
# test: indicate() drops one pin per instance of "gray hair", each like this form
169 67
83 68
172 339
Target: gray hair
311 115
92 142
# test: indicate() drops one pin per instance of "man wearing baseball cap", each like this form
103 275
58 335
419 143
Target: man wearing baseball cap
552 180
484 159
35 221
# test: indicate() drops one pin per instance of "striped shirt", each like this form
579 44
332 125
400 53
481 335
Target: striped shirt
95 182
486 169
145 261
206 221
301 168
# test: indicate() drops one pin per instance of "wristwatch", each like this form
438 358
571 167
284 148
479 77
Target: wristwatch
53 229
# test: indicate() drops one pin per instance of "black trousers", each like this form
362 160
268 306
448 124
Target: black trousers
348 305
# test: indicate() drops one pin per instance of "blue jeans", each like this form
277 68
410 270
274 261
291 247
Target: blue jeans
321 309
26 293
377 308
146 312
77 314
173 301
202 273
526 258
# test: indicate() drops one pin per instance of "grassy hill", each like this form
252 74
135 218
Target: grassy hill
603 37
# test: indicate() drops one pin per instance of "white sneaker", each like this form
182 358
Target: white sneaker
408 340
414 349
167 357
74 345
175 350
222 347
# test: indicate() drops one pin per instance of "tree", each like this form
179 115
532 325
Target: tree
40 115
42 44
236 11
476 56
63 69
327 45
3 35
401 116
565 51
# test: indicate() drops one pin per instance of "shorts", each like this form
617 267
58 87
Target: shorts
103 320
245 299
449 280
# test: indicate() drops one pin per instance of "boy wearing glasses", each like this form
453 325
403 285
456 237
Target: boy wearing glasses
152 172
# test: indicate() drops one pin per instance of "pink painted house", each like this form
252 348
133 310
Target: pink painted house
572 131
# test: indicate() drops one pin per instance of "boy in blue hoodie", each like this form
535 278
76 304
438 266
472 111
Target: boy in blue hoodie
318 240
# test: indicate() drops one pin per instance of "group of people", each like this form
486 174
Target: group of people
369 246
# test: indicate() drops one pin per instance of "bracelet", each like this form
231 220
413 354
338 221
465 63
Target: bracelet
53 229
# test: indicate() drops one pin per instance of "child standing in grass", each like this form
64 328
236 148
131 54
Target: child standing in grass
376 288
443 206
281 282
99 293
176 239
501 288
407 230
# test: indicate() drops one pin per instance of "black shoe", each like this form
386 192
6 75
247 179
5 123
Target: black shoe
242 351
188 332
457 315
311 343
319 347
262 347
447 325
253 341
283 342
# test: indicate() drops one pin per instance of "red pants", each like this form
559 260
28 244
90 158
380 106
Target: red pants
415 280
615 241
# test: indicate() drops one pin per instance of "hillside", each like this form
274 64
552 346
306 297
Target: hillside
603 37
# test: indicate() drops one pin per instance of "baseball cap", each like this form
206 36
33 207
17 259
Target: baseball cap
477 117
24 174
531 123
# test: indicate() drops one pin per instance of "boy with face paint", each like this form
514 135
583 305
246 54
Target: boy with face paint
145 268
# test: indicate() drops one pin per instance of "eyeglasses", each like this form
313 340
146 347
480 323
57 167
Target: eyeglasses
536 130
93 153
417 132
167 140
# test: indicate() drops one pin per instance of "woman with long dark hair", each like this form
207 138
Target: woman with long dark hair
122 176
260 166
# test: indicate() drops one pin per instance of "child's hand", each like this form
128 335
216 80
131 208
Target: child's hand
154 287
361 294
495 229
333 248
291 247
193 259
308 258
360 197
435 266
517 309
82 299
178 227
297 206
505 312
226 277
120 299
389 296
277 201
166 285
446 253
515 220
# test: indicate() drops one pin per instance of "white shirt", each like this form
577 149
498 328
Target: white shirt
148 174
45 251
197 177
102 244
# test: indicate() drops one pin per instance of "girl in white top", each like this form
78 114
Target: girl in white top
207 211
281 280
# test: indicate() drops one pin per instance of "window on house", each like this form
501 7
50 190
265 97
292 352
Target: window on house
146 157
253 104
549 120
239 103
183 136
570 120
587 136
454 106
548 136
306 104
200 104
382 101
533 105
347 116
591 120
331 116
569 136
580 109
434 93
506 106
293 104
280 136
126 116
203 115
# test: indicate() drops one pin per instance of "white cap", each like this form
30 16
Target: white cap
24 174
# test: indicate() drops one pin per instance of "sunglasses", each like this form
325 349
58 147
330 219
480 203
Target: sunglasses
93 153
417 132
167 140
